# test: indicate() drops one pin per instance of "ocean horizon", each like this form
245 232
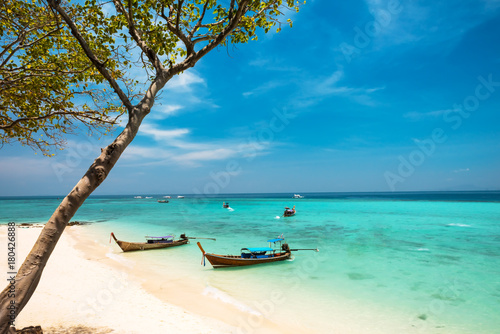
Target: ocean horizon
453 195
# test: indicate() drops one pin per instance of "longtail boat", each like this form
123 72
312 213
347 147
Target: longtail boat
154 242
151 243
289 212
250 256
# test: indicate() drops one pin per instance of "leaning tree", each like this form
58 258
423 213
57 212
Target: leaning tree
76 54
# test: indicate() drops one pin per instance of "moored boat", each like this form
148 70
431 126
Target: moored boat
151 243
297 196
289 212
250 256
162 201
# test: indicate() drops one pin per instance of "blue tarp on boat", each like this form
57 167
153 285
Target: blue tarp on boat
258 249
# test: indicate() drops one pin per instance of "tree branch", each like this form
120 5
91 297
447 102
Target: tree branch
152 56
176 30
100 66
200 20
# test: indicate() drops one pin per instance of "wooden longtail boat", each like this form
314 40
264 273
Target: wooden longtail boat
289 212
249 256
151 243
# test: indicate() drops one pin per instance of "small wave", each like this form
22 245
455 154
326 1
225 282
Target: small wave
422 249
225 298
458 224
277 217
119 259
230 209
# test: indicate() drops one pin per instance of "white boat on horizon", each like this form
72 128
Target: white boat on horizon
180 196
137 196
297 196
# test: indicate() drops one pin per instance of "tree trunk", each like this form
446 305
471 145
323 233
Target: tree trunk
30 272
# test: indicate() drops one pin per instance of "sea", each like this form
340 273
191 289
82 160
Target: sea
413 262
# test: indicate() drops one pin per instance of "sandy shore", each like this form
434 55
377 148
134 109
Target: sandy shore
85 290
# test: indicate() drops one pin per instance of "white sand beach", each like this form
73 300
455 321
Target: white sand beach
85 290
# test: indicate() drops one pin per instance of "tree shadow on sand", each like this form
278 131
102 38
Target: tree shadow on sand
77 330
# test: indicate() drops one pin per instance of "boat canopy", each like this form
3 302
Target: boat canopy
275 240
165 237
258 249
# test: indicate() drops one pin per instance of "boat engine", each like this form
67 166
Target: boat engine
183 236
285 248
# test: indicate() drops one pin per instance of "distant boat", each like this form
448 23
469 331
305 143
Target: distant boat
250 256
225 205
149 197
180 196
166 196
289 212
297 196
162 201
151 243
137 196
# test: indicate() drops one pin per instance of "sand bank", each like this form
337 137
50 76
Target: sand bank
85 290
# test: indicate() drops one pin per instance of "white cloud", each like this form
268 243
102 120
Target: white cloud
165 111
184 81
160 134
215 154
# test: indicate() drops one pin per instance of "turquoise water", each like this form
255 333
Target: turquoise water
391 263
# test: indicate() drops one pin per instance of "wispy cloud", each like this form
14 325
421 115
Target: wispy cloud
461 170
265 88
175 146
165 111
416 116
134 152
424 23
184 82
177 152
491 4
161 134
316 90
205 155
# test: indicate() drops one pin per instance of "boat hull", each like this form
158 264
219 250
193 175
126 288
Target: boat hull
221 261
136 246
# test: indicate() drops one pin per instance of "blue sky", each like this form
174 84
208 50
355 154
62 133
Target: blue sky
357 96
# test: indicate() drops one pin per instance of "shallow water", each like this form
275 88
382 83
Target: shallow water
409 262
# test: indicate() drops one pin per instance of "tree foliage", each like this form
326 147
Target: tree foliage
48 87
